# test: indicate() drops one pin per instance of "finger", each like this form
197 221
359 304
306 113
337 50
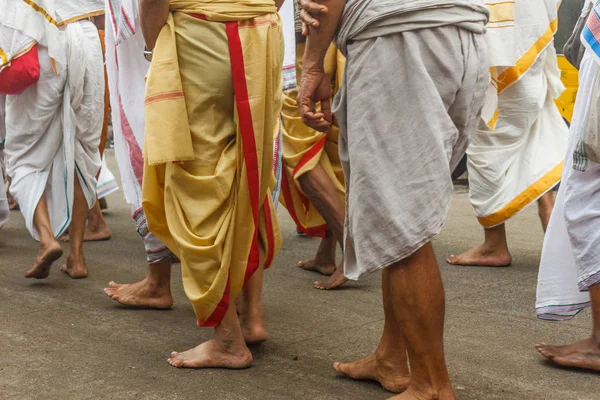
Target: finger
326 109
317 122
304 29
314 9
313 115
321 126
308 19
305 109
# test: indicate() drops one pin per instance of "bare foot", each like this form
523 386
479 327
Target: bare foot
394 378
140 294
212 355
92 234
253 325
584 354
333 282
413 394
482 256
324 267
75 267
45 258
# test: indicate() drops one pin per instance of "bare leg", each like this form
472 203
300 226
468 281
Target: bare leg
50 249
12 203
96 229
419 306
75 266
226 350
492 253
584 354
388 365
154 291
324 260
252 316
321 192
545 207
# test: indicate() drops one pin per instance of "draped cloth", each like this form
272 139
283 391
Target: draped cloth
516 154
25 22
570 261
214 85
398 155
289 84
107 183
53 129
304 149
126 69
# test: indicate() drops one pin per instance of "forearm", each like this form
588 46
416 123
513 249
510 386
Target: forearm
279 3
153 16
320 37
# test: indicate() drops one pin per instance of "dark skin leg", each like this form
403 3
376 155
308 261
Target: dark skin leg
492 253
388 365
226 350
50 249
419 307
154 291
252 313
96 229
494 250
545 207
584 354
324 260
75 266
319 189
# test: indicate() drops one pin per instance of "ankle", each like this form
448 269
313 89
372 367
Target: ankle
429 392
595 339
158 286
75 255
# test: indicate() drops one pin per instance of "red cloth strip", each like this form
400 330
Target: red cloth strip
315 231
246 126
310 154
242 101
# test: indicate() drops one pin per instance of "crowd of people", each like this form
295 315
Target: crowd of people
223 109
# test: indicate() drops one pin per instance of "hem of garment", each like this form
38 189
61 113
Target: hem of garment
405 254
528 196
312 152
314 231
561 313
585 284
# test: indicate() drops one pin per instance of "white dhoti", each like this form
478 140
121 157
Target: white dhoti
571 256
107 183
53 130
126 69
516 154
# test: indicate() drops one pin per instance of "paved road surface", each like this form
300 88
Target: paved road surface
63 339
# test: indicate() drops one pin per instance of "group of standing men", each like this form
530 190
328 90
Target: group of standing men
202 106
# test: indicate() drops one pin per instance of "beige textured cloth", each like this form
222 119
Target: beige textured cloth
408 104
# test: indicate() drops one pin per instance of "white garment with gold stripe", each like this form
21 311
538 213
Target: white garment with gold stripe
516 154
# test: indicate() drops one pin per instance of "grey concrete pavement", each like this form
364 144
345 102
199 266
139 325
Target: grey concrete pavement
63 339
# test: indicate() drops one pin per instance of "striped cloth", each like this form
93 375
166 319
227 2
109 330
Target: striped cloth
122 14
590 37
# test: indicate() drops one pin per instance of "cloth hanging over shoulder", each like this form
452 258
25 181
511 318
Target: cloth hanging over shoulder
169 139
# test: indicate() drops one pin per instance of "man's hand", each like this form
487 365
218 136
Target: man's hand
310 12
315 87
